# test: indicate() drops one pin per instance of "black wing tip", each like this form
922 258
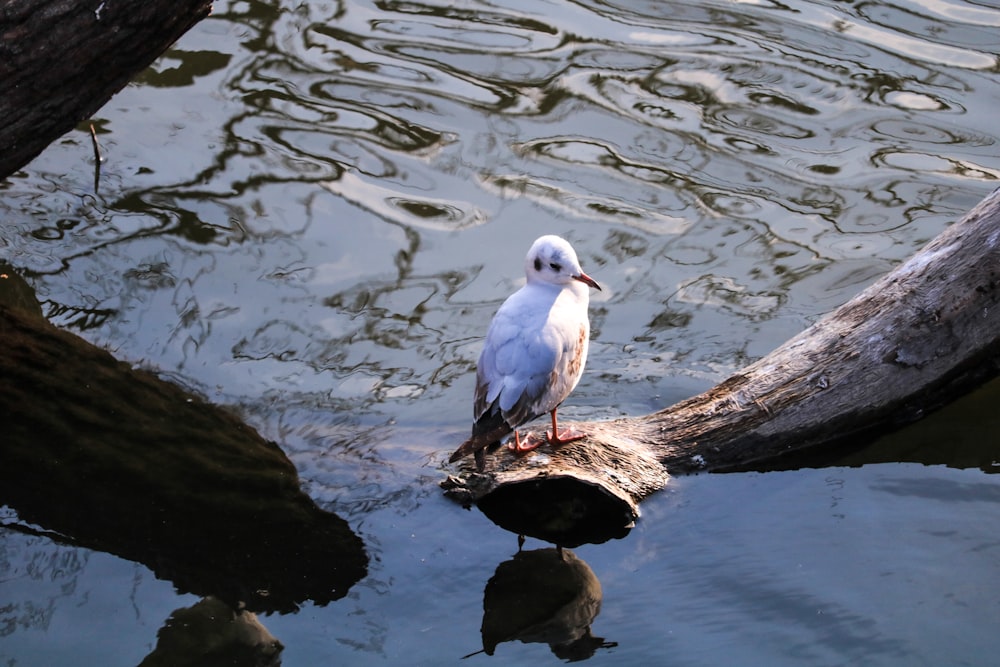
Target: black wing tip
479 443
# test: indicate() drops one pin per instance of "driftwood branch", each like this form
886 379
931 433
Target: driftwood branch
62 60
107 457
918 338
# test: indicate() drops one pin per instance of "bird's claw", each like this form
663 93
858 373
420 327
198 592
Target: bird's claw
569 435
532 441
528 443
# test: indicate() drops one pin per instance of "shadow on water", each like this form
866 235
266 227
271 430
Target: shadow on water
957 435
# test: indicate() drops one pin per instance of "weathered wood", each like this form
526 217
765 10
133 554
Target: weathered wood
583 492
921 336
111 458
62 60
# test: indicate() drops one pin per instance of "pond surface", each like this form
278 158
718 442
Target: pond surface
309 213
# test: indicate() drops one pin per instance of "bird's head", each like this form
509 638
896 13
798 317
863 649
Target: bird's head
552 260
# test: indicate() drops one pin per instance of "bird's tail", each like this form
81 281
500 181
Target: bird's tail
480 441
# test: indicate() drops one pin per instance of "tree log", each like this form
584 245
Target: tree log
107 457
919 337
62 60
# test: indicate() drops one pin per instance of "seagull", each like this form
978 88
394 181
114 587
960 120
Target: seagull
534 352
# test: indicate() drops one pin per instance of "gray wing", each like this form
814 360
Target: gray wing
524 373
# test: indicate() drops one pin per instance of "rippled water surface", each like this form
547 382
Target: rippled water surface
310 212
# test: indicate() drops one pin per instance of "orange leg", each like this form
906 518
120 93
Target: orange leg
521 447
530 442
556 438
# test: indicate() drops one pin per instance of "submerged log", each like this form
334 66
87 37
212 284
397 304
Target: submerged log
62 60
921 336
104 456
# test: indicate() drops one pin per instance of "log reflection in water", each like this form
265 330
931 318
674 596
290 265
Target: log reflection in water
212 632
546 596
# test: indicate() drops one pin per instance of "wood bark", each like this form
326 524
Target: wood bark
921 336
111 458
62 60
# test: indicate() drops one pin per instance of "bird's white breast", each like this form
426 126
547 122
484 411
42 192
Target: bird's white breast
536 348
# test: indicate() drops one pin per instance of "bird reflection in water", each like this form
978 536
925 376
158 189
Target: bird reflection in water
543 596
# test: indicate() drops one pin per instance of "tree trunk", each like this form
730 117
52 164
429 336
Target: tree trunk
117 460
62 60
918 338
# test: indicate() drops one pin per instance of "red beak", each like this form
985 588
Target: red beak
587 280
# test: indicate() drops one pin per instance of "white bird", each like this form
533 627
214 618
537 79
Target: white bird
534 353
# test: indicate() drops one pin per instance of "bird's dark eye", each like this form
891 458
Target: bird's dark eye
555 267
538 264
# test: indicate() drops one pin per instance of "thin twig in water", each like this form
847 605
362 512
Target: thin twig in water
97 157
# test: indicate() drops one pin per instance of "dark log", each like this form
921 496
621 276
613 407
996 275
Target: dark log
62 60
114 459
921 336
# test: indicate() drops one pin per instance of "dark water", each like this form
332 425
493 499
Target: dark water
310 212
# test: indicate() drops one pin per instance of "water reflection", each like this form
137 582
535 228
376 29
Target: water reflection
545 596
211 632
53 574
